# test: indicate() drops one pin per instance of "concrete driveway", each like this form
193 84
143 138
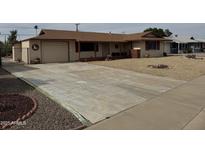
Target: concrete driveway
92 92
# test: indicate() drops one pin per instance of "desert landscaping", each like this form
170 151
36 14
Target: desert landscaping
179 67
46 114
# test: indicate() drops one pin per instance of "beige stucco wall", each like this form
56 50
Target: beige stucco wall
73 54
152 53
113 49
37 53
127 47
122 47
87 54
99 53
16 52
167 47
25 50
105 49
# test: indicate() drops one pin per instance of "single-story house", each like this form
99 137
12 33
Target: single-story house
185 45
52 46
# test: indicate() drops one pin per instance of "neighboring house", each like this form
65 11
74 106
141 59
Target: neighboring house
185 45
202 44
17 52
52 46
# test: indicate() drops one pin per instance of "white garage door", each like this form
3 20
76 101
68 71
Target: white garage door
55 52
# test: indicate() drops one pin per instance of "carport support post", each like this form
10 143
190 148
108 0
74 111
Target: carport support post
79 50
109 49
120 50
95 50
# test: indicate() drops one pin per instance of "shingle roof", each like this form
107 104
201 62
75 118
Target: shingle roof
79 36
142 36
47 34
200 40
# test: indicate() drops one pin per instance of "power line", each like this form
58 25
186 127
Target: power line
16 27
18 34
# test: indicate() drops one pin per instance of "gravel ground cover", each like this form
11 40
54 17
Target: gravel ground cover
15 108
48 116
180 67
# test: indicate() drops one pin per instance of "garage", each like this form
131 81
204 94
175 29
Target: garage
55 52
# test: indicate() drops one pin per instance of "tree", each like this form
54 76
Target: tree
1 44
192 38
167 32
12 38
159 32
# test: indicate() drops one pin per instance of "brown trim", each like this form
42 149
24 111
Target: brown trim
68 51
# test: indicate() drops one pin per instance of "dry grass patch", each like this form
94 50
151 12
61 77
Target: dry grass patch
180 68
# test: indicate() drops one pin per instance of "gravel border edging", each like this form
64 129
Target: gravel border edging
24 117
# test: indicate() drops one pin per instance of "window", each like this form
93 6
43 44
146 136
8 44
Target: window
152 45
182 46
116 46
87 46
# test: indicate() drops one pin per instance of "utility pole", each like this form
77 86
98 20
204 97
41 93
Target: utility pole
76 27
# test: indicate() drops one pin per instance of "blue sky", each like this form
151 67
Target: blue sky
184 29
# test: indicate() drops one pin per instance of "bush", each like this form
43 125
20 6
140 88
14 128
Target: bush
189 50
